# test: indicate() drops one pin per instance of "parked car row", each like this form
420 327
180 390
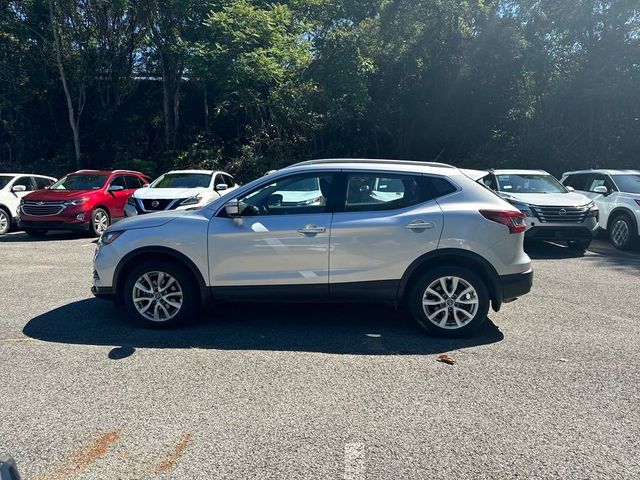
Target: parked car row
90 200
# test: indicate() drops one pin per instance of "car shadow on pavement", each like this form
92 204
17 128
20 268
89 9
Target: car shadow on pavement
343 329
550 251
22 237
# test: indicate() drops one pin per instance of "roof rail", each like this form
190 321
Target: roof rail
124 171
371 160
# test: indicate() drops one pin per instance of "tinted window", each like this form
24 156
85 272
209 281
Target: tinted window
381 191
118 182
183 180
133 182
42 182
4 180
26 182
489 181
230 181
297 194
577 181
628 183
598 180
80 182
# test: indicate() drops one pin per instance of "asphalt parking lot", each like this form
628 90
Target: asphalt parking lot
549 389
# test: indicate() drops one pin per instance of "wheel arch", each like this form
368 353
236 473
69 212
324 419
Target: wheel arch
7 210
135 257
616 212
458 258
103 207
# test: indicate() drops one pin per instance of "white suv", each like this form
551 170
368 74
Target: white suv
14 186
553 212
439 242
179 190
617 194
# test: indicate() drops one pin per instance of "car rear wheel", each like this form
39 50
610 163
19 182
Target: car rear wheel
580 245
99 222
5 222
449 301
160 294
622 232
35 232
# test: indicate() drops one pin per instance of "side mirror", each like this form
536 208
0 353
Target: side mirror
115 188
221 187
570 189
601 189
18 188
232 207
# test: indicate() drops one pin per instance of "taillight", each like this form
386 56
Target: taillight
514 221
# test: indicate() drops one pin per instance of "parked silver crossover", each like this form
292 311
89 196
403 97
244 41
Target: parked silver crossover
420 234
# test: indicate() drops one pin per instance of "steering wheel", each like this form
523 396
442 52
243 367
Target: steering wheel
250 211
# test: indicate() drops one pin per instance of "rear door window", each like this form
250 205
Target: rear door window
42 182
133 182
26 182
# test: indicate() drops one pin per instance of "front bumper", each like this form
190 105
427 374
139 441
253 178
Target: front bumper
104 293
514 286
54 225
554 232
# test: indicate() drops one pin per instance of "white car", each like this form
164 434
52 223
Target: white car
554 213
617 195
179 190
14 186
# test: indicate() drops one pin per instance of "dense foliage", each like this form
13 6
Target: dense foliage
250 85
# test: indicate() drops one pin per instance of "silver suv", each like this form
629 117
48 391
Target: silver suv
420 234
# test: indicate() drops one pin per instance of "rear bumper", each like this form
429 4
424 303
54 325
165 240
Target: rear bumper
105 293
84 226
514 286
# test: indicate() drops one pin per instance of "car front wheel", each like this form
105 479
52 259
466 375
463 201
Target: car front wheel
622 232
449 301
160 294
99 222
5 222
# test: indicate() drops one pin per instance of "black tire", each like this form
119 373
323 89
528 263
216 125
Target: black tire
623 233
580 245
184 282
97 225
418 291
35 232
5 221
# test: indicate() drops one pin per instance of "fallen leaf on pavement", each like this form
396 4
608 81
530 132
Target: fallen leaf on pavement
444 358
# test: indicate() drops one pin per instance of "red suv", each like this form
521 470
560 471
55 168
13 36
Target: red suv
87 200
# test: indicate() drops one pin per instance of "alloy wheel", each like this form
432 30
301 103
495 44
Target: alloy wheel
450 302
157 296
620 232
101 222
4 222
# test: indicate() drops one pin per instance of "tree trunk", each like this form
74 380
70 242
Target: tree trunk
206 107
74 121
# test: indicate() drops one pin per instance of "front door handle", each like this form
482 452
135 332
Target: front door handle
311 229
420 225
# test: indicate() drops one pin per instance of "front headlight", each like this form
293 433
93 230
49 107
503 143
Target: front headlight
75 203
593 210
108 238
523 207
196 199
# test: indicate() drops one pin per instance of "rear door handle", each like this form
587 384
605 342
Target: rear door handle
311 229
420 225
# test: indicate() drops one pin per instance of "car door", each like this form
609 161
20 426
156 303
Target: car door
13 198
117 199
273 246
604 202
387 221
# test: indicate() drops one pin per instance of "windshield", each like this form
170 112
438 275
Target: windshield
4 179
628 183
80 182
182 180
529 183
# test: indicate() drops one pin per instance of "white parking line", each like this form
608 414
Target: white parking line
354 457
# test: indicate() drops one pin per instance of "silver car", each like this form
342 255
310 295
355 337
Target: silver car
437 242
